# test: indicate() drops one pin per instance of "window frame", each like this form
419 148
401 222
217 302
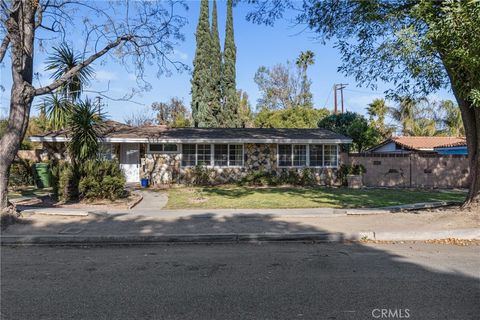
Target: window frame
163 147
307 165
212 155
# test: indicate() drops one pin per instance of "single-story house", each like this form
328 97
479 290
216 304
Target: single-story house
404 144
168 155
453 148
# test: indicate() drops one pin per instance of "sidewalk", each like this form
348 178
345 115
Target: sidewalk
323 224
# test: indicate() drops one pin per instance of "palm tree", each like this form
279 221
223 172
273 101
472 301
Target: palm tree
86 126
304 60
451 119
377 111
405 114
60 62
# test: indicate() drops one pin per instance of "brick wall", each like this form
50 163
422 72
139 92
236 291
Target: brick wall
413 170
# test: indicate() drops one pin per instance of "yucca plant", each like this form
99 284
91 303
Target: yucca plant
63 60
85 124
57 110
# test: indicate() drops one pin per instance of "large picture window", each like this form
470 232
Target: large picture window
224 155
313 155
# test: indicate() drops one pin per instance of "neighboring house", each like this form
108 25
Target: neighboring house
453 148
414 144
168 155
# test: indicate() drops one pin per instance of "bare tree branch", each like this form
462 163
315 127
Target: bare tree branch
58 83
4 47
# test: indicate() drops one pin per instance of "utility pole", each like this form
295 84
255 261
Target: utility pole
99 104
335 110
338 86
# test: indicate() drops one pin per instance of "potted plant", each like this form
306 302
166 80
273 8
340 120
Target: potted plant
355 176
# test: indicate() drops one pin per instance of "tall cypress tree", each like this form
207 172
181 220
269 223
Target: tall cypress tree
230 98
201 79
216 69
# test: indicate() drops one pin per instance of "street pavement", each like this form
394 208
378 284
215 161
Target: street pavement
241 281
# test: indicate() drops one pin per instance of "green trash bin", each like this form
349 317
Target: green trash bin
42 175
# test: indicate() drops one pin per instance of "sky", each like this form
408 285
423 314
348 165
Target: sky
257 45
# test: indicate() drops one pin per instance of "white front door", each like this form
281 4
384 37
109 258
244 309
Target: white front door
129 161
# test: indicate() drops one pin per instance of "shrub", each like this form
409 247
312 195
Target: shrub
308 177
101 180
21 174
113 187
346 170
200 175
89 187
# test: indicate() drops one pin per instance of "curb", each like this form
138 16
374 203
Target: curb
464 234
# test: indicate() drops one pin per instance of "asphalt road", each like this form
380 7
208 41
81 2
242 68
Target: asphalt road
241 281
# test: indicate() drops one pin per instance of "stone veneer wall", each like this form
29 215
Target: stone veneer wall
164 169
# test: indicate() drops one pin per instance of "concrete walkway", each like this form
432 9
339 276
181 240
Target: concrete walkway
152 201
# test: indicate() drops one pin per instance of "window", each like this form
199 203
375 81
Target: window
188 155
284 155
316 155
330 153
235 155
204 155
161 148
105 151
299 155
224 155
220 155
302 155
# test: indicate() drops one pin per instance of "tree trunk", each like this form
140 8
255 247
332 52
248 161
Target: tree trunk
21 32
21 100
471 122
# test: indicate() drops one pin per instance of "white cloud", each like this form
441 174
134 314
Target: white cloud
180 55
103 75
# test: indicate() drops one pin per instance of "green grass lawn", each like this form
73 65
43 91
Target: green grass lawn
291 197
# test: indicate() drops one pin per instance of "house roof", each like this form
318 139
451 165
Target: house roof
119 132
421 143
453 144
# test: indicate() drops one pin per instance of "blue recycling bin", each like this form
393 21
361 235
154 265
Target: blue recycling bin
144 183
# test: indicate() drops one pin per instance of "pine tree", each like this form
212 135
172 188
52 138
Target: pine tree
230 97
201 79
216 69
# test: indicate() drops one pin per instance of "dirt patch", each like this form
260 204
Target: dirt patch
49 202
198 200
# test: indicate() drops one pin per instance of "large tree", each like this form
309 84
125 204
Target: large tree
229 74
216 69
172 113
201 79
304 60
134 33
418 46
280 86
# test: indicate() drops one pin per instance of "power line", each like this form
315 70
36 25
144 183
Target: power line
328 98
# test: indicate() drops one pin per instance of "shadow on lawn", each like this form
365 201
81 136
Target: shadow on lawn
339 197
323 280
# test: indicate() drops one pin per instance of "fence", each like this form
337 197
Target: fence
413 170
